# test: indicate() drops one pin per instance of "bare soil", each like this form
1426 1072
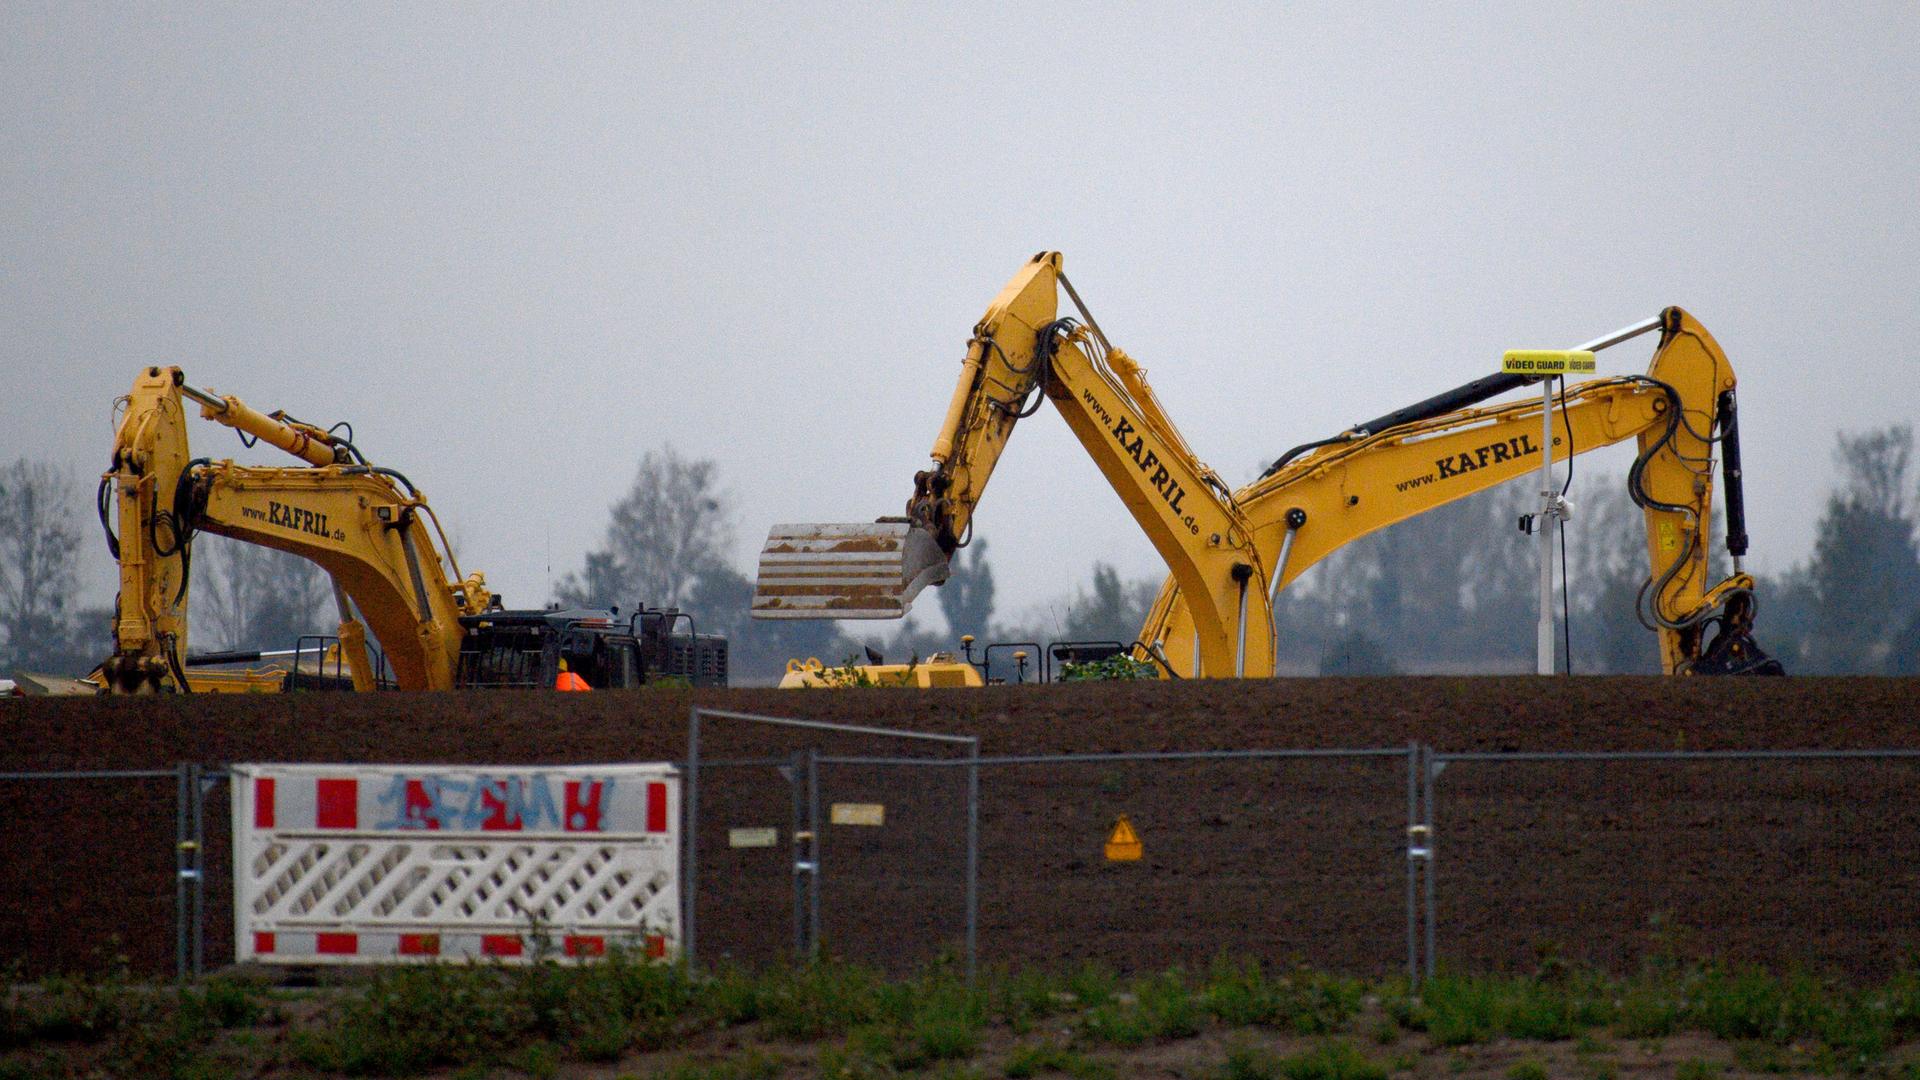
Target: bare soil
1779 862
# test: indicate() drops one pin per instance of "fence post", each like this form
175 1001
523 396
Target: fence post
973 856
816 827
196 774
691 849
182 848
801 835
1434 765
1414 854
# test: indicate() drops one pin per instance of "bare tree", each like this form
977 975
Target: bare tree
1609 540
671 528
666 546
250 597
1865 570
39 549
967 597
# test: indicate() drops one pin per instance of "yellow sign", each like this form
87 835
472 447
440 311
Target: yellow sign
855 813
1123 844
1547 362
752 837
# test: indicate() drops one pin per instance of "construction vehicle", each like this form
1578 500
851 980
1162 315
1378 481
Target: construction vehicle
940 669
1229 552
377 538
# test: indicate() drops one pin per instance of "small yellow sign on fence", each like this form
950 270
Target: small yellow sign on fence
1123 844
853 813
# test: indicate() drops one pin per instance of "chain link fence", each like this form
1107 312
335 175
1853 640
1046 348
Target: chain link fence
903 848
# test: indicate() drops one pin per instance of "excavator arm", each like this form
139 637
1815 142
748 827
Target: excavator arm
1230 553
1327 494
1019 351
366 526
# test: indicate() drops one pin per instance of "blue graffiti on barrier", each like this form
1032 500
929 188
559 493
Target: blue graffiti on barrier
513 802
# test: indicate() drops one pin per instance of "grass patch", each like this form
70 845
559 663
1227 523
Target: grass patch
1040 1059
1155 1009
1335 1059
1302 1001
539 1019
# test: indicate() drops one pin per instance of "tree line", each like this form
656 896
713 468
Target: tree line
1453 590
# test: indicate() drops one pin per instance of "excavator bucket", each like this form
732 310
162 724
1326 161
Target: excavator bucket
846 571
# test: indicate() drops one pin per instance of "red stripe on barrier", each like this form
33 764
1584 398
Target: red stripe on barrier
656 945
500 945
336 944
263 802
583 808
580 945
336 804
419 944
656 807
420 811
262 943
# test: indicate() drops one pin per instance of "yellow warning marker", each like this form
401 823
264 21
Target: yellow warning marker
1123 844
1547 362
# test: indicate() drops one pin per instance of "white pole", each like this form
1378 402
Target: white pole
1546 522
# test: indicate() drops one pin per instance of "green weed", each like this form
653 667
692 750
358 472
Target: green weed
1093 985
1036 1059
1647 1011
1024 998
753 1065
1529 1069
224 1003
1457 1011
1695 1069
1302 1001
76 1009
1158 1008
820 1000
1759 1057
1334 1059
1247 1062
539 1060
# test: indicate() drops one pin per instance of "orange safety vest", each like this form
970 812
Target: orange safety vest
570 681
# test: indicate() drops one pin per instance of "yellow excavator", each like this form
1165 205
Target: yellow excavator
1230 552
373 533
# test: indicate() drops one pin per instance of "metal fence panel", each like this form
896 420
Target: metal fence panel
1777 858
1277 856
89 879
726 929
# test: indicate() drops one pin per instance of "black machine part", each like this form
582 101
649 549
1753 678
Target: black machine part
1732 650
1438 405
1730 473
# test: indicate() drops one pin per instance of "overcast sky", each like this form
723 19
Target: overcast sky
517 246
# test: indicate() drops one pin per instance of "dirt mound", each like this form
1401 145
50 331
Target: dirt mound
1776 861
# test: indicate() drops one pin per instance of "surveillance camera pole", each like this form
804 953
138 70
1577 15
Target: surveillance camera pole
1549 523
1546 364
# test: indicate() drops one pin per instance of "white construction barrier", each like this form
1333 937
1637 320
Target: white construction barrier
374 864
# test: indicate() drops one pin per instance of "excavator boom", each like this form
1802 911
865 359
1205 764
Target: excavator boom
366 526
1229 553
381 545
